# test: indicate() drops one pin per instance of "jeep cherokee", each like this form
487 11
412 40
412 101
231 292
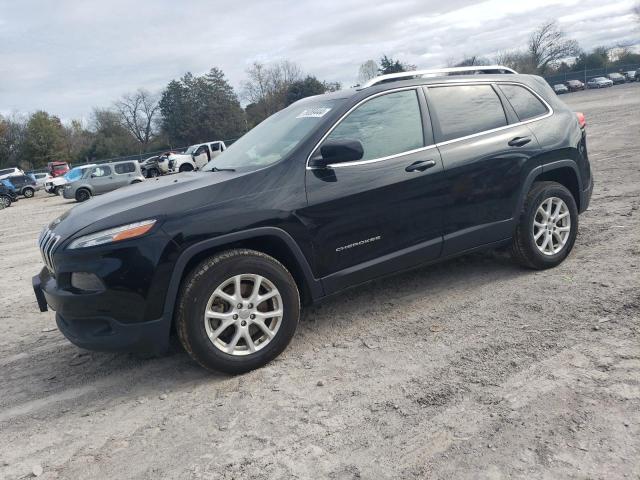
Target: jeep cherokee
333 191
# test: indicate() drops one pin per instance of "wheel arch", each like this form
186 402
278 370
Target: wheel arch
564 172
270 240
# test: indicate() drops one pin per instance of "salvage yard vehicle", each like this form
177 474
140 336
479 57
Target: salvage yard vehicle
10 172
55 185
103 178
616 78
57 169
560 88
23 185
599 82
8 195
194 157
574 85
333 191
150 168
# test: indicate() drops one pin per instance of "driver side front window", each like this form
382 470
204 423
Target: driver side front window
386 125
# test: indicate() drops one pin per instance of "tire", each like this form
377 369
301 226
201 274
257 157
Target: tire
153 173
82 195
199 294
56 190
525 248
28 192
185 167
136 181
5 201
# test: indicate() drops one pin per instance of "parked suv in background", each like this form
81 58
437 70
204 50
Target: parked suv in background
616 78
8 194
333 191
103 178
599 82
23 184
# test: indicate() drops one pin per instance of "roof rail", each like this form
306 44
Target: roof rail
438 71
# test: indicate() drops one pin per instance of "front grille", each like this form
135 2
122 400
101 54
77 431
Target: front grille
47 242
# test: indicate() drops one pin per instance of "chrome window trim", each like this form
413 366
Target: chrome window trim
372 160
550 112
505 127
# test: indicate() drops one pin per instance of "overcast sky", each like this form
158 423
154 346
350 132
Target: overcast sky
67 56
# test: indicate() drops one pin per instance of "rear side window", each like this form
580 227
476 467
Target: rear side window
124 168
385 125
466 109
525 103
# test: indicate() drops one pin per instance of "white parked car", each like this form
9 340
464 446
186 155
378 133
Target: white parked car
9 172
193 158
55 185
40 179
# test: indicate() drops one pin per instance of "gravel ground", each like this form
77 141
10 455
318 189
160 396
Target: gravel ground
474 368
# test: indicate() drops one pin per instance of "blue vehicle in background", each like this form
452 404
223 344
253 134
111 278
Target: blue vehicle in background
8 194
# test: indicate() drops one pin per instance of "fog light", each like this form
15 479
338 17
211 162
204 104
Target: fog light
86 281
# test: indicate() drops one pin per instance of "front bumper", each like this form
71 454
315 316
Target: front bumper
97 332
111 297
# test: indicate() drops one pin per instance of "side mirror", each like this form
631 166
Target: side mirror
337 151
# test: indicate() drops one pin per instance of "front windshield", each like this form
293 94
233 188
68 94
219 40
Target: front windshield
190 150
274 138
73 174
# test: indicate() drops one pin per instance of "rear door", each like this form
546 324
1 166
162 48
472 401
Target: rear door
487 153
366 214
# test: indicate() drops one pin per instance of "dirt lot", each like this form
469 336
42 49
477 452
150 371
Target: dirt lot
471 369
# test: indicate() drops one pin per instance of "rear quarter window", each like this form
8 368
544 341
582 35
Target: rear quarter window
464 110
124 168
525 103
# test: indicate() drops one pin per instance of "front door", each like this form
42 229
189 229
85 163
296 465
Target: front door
381 213
101 178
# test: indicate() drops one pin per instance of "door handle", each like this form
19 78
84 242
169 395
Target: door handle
519 141
420 165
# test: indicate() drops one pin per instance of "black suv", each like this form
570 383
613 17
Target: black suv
333 191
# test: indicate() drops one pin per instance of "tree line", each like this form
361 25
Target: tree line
189 110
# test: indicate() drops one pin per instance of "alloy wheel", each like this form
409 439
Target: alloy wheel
551 226
243 314
4 202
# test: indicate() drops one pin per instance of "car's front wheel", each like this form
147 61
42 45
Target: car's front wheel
5 201
28 192
82 195
547 227
237 311
185 167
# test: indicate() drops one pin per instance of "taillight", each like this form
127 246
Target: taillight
581 119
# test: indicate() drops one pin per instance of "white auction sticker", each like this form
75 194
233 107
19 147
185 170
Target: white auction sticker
314 112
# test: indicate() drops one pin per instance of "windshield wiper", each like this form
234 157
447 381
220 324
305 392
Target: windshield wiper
215 169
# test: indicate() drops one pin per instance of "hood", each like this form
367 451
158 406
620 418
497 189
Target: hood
157 198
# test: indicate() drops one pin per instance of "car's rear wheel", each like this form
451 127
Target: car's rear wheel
28 192
82 195
237 311
5 201
547 227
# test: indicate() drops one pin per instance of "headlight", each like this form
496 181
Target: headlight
111 235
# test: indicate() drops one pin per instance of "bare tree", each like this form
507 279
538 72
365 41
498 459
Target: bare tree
548 45
519 60
267 85
367 71
138 113
470 61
